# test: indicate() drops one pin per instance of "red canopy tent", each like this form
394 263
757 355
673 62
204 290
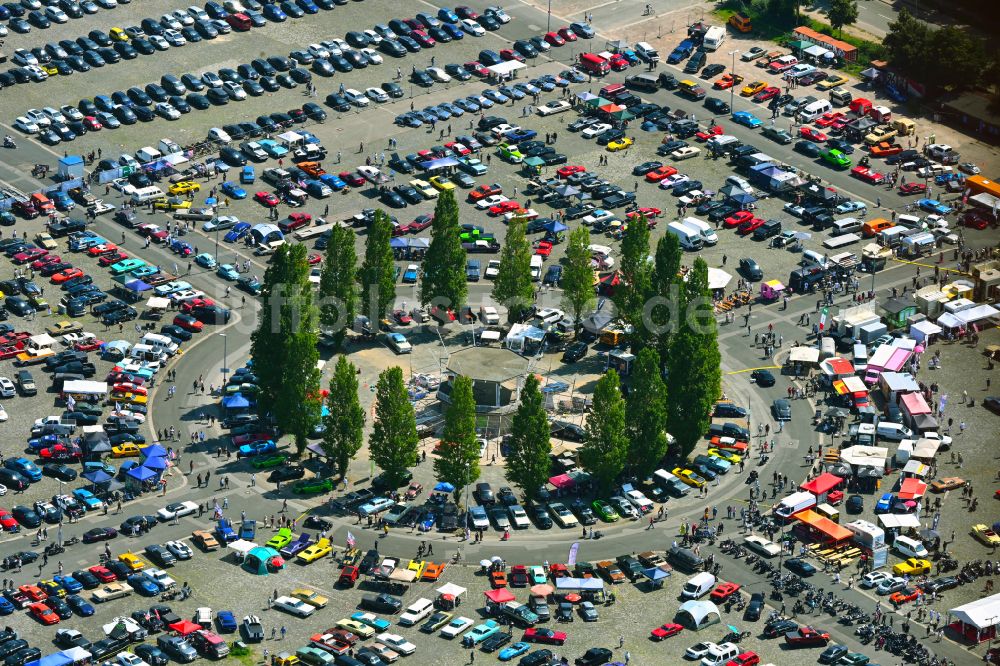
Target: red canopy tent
562 481
185 627
822 485
912 489
501 595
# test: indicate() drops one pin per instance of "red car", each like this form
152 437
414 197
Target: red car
43 614
352 178
29 255
567 33
649 212
25 209
458 148
7 521
103 248
425 40
706 134
656 175
109 259
401 317
103 573
62 452
33 592
912 188
724 591
314 259
188 323
67 274
476 68
738 218
665 631
542 635
188 306
129 387
766 94
828 119
267 199
92 345
750 226
543 249
569 170
868 175
618 62
555 39
747 658
421 222
905 595
975 219
806 637
504 207
812 134
510 54
46 259
92 124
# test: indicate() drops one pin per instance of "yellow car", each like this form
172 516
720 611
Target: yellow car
425 189
118 35
728 456
50 69
912 567
45 240
986 535
63 328
620 144
184 187
128 396
319 549
52 588
132 561
442 183
689 477
356 628
417 566
173 203
311 597
126 450
753 88
832 81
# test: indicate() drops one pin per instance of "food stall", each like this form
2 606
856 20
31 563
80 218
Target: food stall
771 290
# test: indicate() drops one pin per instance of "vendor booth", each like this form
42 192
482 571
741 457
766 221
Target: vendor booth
589 589
697 615
853 390
450 596
814 527
240 548
912 488
822 486
771 290
976 621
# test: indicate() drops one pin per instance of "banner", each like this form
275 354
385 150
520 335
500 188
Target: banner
351 541
822 318
573 550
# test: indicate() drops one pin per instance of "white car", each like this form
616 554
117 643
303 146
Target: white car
870 580
221 222
456 626
492 269
174 37
170 21
167 110
129 659
374 57
108 4
179 549
487 202
518 517
472 28
56 15
377 95
497 12
675 179
294 606
177 510
398 343
594 130
219 134
198 13
318 51
355 97
38 117
685 153
159 42
639 501
3 418
504 129
254 151
699 650
397 643
553 107
373 37
426 381
7 388
489 315
203 616
234 90
439 74
598 215
26 125
211 79
333 47
160 577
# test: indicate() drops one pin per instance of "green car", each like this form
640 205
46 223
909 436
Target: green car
267 462
510 153
854 659
473 236
836 158
126 265
281 539
605 511
312 486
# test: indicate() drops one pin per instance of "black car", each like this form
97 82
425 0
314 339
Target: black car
568 431
941 584
286 473
750 269
26 516
495 642
762 377
540 515
807 148
777 628
99 534
832 654
381 603
60 472
855 504
87 579
140 522
574 352
800 566
583 512
151 654
160 555
594 657
755 607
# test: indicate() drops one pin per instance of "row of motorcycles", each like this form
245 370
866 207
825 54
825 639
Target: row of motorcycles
898 643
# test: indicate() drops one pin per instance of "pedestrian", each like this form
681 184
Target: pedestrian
621 641
283 630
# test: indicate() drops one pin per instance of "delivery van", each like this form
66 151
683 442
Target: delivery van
698 586
688 238
707 233
793 504
860 358
893 431
909 547
159 342
536 268
594 64
872 228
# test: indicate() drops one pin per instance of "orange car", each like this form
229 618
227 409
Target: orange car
43 614
433 571
729 444
905 595
498 579
885 149
728 81
656 175
34 592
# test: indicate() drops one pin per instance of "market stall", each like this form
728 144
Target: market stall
817 528
976 621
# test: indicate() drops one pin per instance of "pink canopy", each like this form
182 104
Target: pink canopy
501 595
562 481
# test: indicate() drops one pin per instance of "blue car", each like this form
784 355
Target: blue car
71 584
248 529
515 650
748 119
520 135
205 260
231 189
143 585
453 31
410 274
25 468
144 271
273 13
945 178
224 530
6 607
884 503
80 605
226 621
247 175
448 16
44 442
227 272
242 228
257 448
934 206
332 181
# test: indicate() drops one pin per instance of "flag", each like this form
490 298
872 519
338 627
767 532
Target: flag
822 318
351 541
573 550
70 403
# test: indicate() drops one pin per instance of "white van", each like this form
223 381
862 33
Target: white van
893 431
536 267
688 238
416 612
814 257
799 501
707 233
860 358
145 194
719 654
646 52
147 353
848 225
160 342
698 586
718 144
909 547
814 110
147 154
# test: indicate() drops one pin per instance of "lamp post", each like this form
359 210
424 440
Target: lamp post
548 18
732 88
225 357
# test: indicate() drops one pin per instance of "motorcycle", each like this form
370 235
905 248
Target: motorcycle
54 549
8 142
72 541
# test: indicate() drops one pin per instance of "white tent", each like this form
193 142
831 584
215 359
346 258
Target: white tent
872 456
158 303
698 614
891 520
981 614
456 591
923 329
718 278
241 547
803 355
505 70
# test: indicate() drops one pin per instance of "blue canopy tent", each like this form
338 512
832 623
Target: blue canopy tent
57 659
235 403
444 487
436 165
656 576
137 476
153 451
397 242
97 476
556 227
157 463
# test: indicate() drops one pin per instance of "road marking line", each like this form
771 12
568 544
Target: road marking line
762 367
